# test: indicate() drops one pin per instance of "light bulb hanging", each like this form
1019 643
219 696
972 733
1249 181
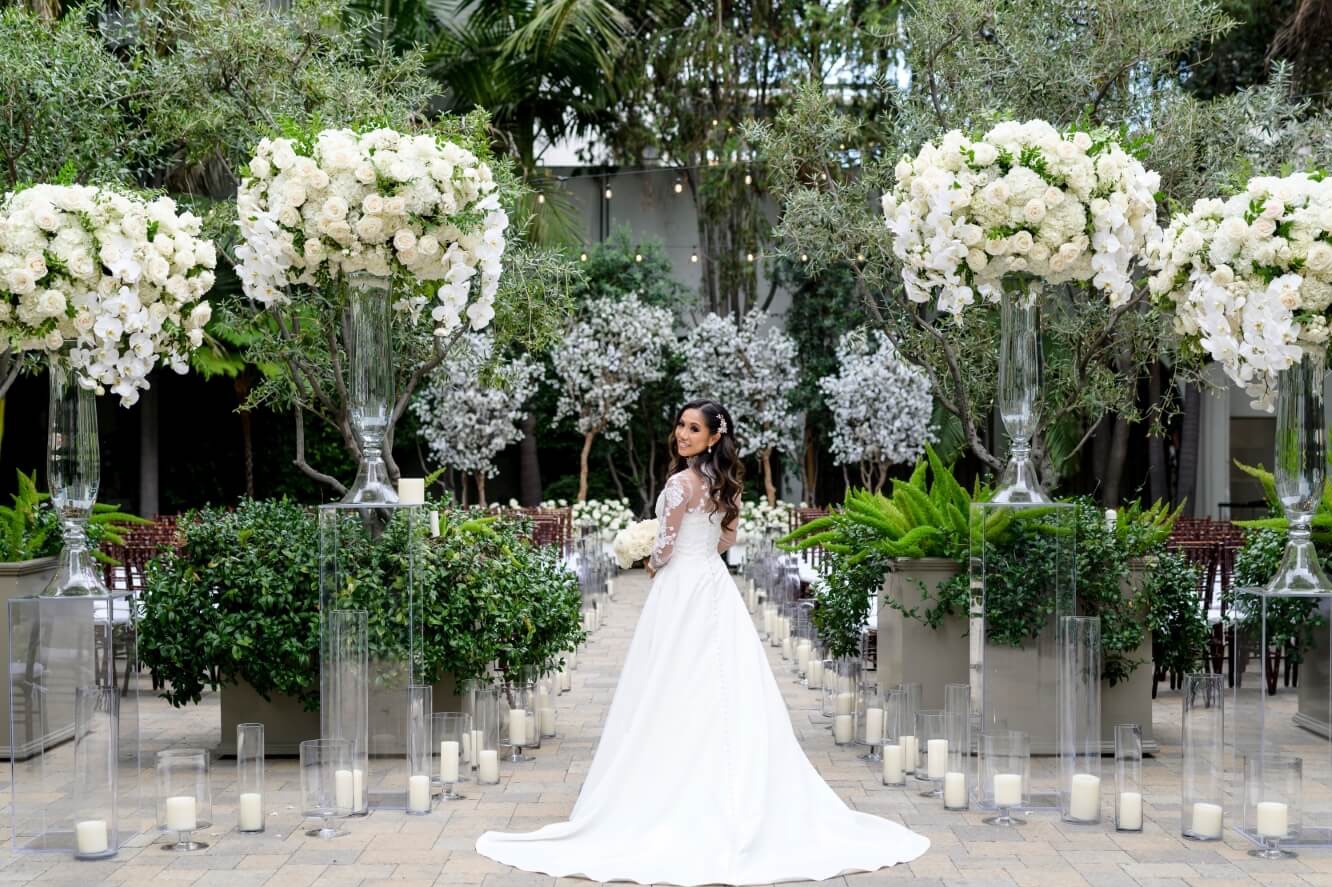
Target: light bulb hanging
583 257
679 185
609 193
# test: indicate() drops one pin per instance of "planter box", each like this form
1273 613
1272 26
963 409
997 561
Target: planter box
27 579
909 651
286 723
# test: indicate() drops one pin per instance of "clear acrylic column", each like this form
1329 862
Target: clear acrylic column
547 689
957 714
1080 719
420 708
842 695
912 693
250 777
95 772
184 796
1202 735
1128 778
932 733
346 704
1273 791
894 763
518 718
1005 769
486 734
326 784
869 720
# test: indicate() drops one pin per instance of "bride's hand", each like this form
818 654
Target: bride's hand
650 571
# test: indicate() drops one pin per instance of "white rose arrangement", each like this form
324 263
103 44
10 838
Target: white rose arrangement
634 543
115 280
606 515
1024 199
758 519
1249 278
418 208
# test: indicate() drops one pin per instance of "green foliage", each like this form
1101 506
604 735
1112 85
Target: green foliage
240 600
1170 601
1291 622
843 600
623 264
60 102
30 528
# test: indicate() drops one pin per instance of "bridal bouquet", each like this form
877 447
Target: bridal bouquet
1023 199
634 543
1249 279
413 207
115 279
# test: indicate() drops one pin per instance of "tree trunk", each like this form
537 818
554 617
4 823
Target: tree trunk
1157 477
1114 469
242 388
765 459
481 489
1186 484
810 475
529 464
588 437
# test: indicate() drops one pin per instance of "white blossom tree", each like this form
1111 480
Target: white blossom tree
615 348
469 410
750 369
881 406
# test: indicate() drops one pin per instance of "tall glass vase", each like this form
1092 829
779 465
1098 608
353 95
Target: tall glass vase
1301 469
73 473
367 328
1018 395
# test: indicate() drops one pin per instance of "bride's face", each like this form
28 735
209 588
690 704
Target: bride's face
692 435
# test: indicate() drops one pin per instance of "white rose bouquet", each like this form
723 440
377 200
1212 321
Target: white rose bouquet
420 209
1249 278
634 543
1023 199
115 279
606 515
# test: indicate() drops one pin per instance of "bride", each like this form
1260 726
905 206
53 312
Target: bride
699 777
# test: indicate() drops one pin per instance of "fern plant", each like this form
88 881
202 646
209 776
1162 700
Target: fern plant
30 528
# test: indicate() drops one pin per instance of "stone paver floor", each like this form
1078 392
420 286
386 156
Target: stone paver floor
394 849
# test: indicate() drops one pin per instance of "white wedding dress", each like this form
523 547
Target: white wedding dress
699 777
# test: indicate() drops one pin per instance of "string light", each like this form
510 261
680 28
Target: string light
749 256
679 185
749 180
609 192
804 258
541 198
860 257
693 258
638 257
583 257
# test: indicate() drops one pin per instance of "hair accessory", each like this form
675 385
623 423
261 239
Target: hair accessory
721 424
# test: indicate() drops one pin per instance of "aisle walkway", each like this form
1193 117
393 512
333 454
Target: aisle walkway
392 849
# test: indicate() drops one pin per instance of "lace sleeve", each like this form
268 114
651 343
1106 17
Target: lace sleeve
675 501
728 533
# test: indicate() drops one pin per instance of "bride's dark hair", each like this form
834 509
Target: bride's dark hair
720 465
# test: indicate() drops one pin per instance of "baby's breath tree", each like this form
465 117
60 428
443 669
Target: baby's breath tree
959 65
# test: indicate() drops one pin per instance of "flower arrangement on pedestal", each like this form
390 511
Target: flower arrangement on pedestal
1001 217
1249 281
362 226
606 516
759 520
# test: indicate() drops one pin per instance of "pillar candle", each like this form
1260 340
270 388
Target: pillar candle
358 789
1130 811
802 654
342 790
610 588
892 765
546 717
411 491
786 648
251 812
448 762
815 674
1273 819
566 682
842 729
90 837
909 750
845 703
477 744
767 621
1007 789
1084 801
418 793
180 816
845 684
517 727
573 660
489 769
467 747
873 726
955 790
434 523
1206 820
936 758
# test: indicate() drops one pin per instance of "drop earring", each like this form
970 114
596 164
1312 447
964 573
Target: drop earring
709 449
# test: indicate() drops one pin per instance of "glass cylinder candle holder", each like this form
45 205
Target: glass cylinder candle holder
912 694
1079 708
1128 778
547 688
517 718
486 735
814 670
869 718
531 679
1202 793
347 699
184 796
1005 774
827 680
932 733
96 757
327 791
449 731
250 777
420 705
957 727
843 690
804 651
894 769
1273 795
